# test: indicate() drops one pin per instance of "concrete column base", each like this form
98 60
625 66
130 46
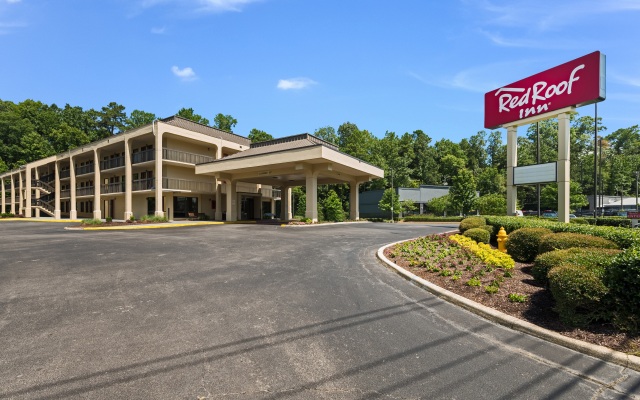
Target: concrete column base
56 214
127 215
159 214
73 214
97 214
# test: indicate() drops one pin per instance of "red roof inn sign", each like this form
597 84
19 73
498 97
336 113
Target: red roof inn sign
575 83
554 93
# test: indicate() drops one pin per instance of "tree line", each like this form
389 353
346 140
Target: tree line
31 130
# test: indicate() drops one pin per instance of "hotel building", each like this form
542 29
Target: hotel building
178 168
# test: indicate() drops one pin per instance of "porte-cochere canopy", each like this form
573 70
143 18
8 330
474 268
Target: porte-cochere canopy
300 160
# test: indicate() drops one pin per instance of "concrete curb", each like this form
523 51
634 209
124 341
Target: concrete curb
601 352
154 226
40 220
324 224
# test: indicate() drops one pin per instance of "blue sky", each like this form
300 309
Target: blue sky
292 66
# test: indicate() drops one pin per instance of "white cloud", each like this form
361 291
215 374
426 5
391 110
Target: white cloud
478 79
158 31
223 5
200 6
626 80
186 74
295 83
500 40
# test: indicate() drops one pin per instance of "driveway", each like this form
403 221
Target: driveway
256 312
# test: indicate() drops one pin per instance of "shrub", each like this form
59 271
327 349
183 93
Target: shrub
471 222
431 218
624 238
153 218
623 280
517 298
91 221
333 207
607 221
491 257
578 292
567 240
522 244
588 257
108 219
478 234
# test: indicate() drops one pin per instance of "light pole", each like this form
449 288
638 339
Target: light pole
392 193
637 173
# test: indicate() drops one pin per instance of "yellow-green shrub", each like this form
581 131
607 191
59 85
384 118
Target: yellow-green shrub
488 255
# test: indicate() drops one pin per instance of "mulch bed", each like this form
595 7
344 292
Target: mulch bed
537 309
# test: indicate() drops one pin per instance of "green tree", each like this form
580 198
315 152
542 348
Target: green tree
299 206
396 154
35 147
475 152
463 191
139 118
224 122
491 181
355 142
256 135
327 133
450 166
492 204
189 114
439 205
496 151
549 196
390 201
112 120
65 137
424 165
333 210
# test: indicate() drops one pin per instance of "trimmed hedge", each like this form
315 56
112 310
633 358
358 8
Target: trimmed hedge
567 240
604 221
431 218
623 280
480 235
589 258
624 238
522 244
578 292
471 222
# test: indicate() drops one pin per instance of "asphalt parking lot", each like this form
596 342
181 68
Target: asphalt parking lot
256 312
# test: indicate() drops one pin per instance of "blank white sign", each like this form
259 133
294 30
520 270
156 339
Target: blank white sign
539 173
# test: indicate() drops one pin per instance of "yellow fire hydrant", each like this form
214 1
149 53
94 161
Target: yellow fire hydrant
502 240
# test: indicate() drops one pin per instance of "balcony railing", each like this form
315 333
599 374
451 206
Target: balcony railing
143 184
65 174
65 193
85 169
115 162
85 191
7 187
182 156
143 156
183 184
112 188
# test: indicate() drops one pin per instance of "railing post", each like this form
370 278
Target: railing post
97 212
56 204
